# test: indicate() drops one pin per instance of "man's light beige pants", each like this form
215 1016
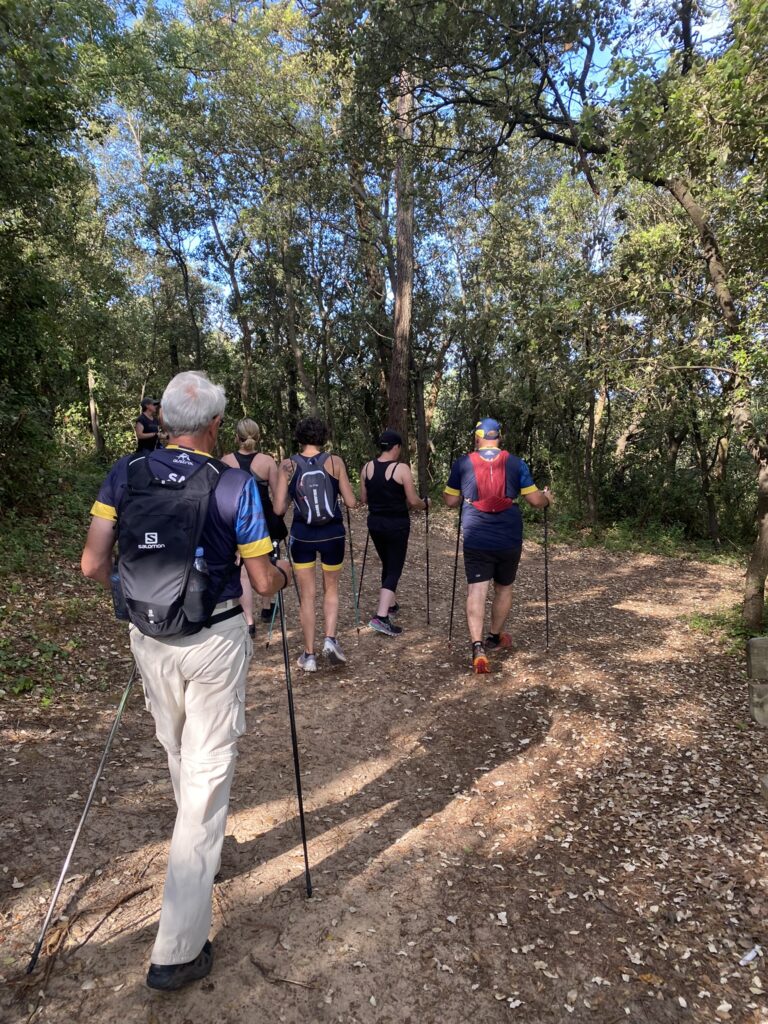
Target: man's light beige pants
195 688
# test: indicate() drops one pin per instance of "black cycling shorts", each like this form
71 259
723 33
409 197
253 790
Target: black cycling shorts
499 565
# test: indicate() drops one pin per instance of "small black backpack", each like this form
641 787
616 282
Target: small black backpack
314 498
159 525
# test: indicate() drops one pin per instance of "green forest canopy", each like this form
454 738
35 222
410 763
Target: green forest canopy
412 215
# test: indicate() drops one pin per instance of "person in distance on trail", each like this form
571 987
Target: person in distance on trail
489 480
147 425
386 486
264 470
194 683
314 480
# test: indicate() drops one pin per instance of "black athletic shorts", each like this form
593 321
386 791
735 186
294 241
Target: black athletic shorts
499 565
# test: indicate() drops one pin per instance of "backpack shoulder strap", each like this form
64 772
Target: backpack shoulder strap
138 476
218 466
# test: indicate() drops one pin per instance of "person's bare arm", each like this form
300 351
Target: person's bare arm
451 500
271 475
404 476
265 577
96 560
141 434
363 488
280 495
345 487
540 499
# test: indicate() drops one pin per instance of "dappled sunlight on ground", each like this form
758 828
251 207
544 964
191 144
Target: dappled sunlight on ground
577 835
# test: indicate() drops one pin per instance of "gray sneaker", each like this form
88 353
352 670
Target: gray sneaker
384 626
308 662
333 652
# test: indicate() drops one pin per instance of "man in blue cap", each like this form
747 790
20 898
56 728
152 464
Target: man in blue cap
490 480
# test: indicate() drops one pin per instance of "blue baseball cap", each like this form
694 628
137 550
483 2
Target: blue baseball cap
489 429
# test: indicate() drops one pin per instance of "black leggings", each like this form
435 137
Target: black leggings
391 547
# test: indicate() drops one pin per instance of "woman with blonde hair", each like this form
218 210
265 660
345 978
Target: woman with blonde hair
264 469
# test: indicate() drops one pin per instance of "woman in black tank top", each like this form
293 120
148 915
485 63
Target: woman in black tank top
248 435
387 487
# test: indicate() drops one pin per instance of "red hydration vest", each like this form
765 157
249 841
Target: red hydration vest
491 479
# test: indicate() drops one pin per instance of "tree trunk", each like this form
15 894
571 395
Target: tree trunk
432 395
627 438
397 412
754 589
181 262
326 375
293 398
720 468
310 392
705 470
596 410
674 442
229 261
681 190
473 366
422 442
376 313
93 410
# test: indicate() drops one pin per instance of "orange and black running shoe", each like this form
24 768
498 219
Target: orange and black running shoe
479 659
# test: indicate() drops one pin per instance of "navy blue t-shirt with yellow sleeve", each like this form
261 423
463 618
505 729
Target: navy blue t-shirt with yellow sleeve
235 520
490 531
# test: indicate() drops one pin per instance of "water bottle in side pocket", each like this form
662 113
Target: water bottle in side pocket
197 587
118 597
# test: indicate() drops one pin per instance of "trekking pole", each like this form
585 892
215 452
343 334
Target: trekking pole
455 568
352 571
271 624
362 571
294 741
276 549
88 802
426 541
546 577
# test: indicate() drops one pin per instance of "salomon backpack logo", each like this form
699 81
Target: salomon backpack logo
151 543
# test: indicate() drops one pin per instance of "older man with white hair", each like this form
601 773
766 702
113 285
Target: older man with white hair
195 683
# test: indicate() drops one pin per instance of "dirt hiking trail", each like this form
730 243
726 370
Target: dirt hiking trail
578 836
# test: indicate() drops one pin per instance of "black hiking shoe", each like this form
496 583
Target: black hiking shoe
394 609
174 976
267 613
